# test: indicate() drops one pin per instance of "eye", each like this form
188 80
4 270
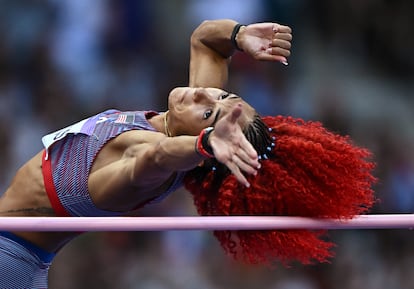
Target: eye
207 114
224 96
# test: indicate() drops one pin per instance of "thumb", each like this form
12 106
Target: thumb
236 113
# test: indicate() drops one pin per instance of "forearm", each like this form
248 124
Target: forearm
176 154
216 35
214 42
211 51
226 143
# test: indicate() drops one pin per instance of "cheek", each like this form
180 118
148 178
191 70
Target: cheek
188 121
193 127
186 124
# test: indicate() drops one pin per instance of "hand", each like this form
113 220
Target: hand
231 147
266 41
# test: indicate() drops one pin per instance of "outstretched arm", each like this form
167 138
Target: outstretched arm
212 48
152 158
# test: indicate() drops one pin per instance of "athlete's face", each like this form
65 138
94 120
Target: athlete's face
192 109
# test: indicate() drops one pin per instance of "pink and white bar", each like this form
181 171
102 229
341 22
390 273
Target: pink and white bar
389 221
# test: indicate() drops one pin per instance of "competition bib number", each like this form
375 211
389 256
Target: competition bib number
50 139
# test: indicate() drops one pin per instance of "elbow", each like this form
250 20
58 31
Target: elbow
199 34
213 38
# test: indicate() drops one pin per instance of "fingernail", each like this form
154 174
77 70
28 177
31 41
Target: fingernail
285 63
247 185
259 166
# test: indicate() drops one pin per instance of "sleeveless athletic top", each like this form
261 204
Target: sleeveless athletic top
70 152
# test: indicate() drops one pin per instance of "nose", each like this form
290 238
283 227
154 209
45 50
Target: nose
201 95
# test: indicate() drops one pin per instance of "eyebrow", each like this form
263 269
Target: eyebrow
216 118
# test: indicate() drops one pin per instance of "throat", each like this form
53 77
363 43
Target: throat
166 129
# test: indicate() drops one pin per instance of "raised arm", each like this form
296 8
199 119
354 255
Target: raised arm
212 47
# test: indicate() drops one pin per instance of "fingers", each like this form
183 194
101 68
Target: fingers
241 158
232 148
248 152
239 167
280 45
282 29
279 49
246 164
237 173
242 155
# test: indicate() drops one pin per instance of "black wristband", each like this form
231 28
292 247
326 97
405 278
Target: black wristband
204 140
201 145
236 30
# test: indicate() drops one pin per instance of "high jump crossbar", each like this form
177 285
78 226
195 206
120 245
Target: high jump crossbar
386 221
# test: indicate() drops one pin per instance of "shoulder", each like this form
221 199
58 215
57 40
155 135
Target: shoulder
126 144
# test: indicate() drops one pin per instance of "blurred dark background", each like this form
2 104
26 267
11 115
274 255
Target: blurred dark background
352 67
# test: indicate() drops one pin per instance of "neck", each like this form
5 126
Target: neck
157 122
166 129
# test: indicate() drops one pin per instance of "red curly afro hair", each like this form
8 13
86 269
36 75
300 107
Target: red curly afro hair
307 171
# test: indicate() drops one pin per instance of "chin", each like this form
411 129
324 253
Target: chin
176 95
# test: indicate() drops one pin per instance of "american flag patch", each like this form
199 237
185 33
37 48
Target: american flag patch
125 118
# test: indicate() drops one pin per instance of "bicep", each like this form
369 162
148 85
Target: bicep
110 182
117 183
134 169
143 167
